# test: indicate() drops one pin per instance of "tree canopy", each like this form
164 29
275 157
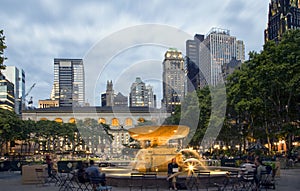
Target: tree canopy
2 47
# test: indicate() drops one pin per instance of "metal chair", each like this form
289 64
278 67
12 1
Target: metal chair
150 181
203 178
231 182
97 181
136 180
247 181
104 188
100 183
190 181
54 178
82 182
266 181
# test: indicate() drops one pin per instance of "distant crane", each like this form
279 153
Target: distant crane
23 99
29 90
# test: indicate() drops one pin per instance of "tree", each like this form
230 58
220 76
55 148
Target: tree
264 95
28 127
9 128
204 99
94 134
2 47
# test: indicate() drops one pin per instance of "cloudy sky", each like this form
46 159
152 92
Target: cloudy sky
37 31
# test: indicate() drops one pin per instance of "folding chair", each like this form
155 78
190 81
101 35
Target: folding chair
100 183
82 182
266 181
231 182
104 188
54 177
136 180
190 181
150 181
247 182
203 178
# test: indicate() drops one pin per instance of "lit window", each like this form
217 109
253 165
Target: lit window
115 122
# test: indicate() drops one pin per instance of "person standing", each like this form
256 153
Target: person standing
49 165
258 172
172 169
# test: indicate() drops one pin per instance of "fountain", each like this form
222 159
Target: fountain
154 140
156 152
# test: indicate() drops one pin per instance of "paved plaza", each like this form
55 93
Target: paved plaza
12 181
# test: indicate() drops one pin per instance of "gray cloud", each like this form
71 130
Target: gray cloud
38 31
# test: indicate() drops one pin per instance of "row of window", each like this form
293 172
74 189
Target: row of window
114 122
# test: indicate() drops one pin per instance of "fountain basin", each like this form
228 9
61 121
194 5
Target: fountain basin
121 177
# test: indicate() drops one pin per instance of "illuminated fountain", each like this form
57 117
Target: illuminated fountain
156 153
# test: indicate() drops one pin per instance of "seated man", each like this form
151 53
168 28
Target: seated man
95 176
82 176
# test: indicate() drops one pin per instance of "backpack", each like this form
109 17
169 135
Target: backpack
268 169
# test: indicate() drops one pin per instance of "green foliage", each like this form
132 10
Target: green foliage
2 47
49 133
91 131
263 97
196 115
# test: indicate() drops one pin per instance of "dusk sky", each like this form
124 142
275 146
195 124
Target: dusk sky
37 31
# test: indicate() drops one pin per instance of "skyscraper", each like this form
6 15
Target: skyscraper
283 15
217 49
141 95
240 50
7 98
173 79
192 62
17 77
69 84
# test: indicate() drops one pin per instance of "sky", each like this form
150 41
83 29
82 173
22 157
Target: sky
118 40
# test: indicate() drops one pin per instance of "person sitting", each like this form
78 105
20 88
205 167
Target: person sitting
95 176
247 167
82 175
172 168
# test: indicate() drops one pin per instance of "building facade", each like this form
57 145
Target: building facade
17 77
114 117
107 98
69 84
119 119
48 103
173 79
141 95
192 62
120 100
7 98
229 68
240 50
283 15
217 49
121 138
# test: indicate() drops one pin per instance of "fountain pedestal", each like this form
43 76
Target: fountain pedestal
154 159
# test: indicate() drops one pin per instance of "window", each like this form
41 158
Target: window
115 122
